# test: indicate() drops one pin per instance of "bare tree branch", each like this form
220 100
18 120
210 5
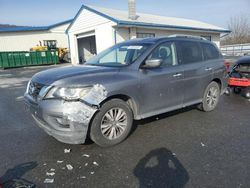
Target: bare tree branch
240 30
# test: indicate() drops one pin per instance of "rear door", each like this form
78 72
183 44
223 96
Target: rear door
197 72
214 61
161 88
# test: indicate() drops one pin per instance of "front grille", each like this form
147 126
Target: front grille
34 89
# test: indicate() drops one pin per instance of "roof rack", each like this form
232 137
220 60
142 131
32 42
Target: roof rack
187 36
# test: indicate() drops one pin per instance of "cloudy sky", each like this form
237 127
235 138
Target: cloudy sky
46 12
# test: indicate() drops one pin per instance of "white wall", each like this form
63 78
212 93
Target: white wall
60 28
23 41
104 37
161 33
122 34
126 33
88 21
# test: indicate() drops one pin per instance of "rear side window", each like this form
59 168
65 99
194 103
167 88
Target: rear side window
209 51
190 52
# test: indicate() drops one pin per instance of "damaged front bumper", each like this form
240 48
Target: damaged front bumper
68 122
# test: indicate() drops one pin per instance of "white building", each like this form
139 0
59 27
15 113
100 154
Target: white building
94 29
24 38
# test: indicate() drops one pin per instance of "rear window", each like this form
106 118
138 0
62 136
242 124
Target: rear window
190 51
209 51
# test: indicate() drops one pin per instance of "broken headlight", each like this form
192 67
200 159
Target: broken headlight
67 93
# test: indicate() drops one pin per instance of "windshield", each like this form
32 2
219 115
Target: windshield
118 55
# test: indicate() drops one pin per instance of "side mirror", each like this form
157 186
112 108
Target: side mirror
152 63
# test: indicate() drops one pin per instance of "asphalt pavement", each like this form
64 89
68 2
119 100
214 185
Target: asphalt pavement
184 148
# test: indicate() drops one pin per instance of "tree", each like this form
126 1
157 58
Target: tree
240 30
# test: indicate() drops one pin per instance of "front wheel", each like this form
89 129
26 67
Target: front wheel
112 123
211 97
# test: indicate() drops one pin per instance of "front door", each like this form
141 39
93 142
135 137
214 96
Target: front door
161 88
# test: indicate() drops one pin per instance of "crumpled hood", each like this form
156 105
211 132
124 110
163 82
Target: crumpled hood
50 76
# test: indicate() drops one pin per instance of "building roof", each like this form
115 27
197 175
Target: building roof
151 20
35 28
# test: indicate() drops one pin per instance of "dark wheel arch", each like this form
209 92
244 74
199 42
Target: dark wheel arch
130 101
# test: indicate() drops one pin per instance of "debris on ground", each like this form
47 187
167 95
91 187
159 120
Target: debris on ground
85 155
92 173
174 154
59 161
47 180
95 163
69 167
203 145
86 164
50 173
67 150
83 177
52 170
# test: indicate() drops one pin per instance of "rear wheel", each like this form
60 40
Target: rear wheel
211 97
112 123
247 92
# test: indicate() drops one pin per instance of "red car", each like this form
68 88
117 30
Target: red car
239 77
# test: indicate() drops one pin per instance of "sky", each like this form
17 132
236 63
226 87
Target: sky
46 12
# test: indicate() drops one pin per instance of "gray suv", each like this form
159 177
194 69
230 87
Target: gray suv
131 80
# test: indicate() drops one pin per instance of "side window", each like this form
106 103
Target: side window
209 51
144 35
207 37
166 52
190 52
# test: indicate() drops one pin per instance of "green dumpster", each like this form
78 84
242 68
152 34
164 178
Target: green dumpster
21 59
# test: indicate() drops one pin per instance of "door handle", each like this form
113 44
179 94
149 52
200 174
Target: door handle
208 69
177 75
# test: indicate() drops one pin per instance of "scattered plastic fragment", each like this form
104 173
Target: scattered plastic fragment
203 145
174 154
67 150
52 169
95 163
44 164
50 173
69 167
83 177
86 164
59 161
92 173
85 155
47 180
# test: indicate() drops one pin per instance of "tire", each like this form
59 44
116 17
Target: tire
104 130
228 91
210 99
247 92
